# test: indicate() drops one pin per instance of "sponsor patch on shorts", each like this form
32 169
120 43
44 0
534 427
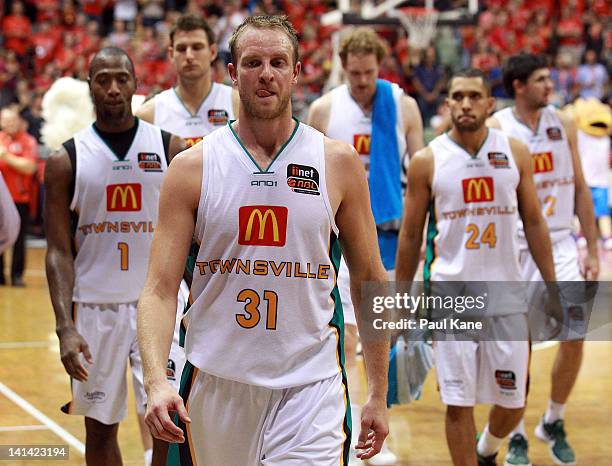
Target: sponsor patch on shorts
95 396
505 379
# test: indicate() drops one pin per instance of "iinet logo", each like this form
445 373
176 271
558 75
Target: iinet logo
262 225
478 189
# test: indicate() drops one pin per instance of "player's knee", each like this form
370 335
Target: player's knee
458 413
571 348
99 432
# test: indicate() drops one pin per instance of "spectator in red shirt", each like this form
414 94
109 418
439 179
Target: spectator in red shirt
18 157
44 42
17 30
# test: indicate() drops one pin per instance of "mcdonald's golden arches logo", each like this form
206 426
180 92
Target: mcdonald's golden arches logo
124 197
542 162
262 225
478 189
361 142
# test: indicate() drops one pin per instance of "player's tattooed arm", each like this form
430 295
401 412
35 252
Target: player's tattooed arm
60 262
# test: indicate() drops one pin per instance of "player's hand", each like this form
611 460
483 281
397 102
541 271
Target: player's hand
553 311
374 428
72 344
591 267
162 400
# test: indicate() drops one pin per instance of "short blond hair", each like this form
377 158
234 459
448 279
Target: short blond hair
362 41
266 22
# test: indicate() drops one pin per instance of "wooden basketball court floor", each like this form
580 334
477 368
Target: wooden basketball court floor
33 385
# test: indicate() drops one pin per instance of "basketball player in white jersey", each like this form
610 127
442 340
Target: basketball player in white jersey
475 182
551 138
193 109
102 191
197 105
345 113
267 199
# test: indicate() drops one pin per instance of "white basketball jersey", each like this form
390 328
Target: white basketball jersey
552 167
472 233
215 111
265 309
348 123
116 202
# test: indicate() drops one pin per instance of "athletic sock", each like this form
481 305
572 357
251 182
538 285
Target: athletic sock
488 444
148 457
554 412
519 429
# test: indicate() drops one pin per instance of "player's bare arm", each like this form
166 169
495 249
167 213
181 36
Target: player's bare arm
536 229
318 113
146 111
60 263
177 145
416 204
582 201
493 123
413 125
349 196
179 197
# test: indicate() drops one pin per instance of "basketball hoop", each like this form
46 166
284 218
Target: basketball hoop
420 24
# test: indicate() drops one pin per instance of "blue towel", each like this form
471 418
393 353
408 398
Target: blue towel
385 168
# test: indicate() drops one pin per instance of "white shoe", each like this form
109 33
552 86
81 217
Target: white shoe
385 458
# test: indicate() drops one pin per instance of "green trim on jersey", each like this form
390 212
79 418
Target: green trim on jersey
518 119
475 155
192 115
430 251
179 454
335 254
297 124
110 148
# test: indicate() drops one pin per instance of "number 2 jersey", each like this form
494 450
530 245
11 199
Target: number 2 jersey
553 171
116 202
265 308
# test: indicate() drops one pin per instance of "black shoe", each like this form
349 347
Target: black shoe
486 460
2 280
18 282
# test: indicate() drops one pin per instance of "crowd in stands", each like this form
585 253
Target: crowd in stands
45 39
42 40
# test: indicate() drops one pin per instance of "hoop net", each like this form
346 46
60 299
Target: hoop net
420 24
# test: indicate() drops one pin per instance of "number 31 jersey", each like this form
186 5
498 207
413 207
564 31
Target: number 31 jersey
265 308
116 202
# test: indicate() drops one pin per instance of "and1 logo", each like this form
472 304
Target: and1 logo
498 160
505 379
543 162
554 133
262 225
124 197
361 143
478 189
217 117
149 162
171 370
303 179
